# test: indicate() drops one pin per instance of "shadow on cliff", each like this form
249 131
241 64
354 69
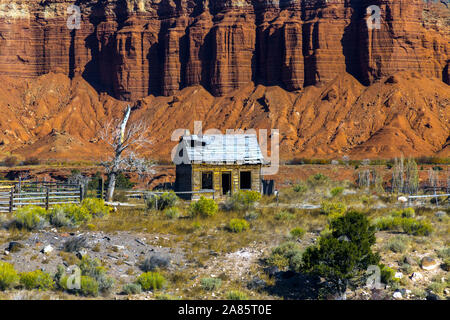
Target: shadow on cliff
352 41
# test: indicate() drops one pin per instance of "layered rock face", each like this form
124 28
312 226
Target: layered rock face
134 48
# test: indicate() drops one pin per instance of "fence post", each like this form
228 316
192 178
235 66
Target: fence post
102 188
47 198
81 193
11 200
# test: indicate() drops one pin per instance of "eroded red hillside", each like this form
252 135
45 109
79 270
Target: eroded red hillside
53 117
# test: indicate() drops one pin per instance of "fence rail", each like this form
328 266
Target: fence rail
12 200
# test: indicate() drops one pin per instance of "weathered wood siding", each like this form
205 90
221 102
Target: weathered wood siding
217 170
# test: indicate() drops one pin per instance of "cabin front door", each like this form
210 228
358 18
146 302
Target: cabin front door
226 183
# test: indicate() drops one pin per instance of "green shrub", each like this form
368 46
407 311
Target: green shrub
236 295
404 213
211 284
342 257
30 217
406 268
397 244
444 253
58 218
74 244
386 274
318 179
151 281
446 264
172 213
63 281
36 280
203 207
402 220
238 225
252 215
89 286
284 216
437 287
76 213
297 233
96 207
242 200
92 268
337 191
132 288
333 209
300 187
389 223
156 261
163 201
8 276
286 255
416 228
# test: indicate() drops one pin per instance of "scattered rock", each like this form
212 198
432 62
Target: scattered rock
213 253
157 261
140 242
429 263
397 295
82 253
440 214
398 275
416 276
409 260
432 296
47 249
14 246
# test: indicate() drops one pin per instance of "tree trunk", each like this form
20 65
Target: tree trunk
111 186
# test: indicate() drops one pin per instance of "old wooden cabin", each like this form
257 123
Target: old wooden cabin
218 165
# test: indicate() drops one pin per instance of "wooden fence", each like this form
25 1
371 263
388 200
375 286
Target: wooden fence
44 195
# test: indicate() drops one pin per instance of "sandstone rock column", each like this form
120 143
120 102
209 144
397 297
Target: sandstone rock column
199 51
324 33
233 42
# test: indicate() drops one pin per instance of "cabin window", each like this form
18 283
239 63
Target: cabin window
246 180
207 180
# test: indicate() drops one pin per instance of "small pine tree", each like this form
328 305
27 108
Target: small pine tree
343 256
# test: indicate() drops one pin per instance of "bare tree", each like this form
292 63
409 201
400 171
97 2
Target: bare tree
412 176
398 175
124 138
448 181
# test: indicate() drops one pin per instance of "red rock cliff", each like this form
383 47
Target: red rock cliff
134 48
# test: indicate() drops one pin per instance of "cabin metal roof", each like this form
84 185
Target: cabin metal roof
223 149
